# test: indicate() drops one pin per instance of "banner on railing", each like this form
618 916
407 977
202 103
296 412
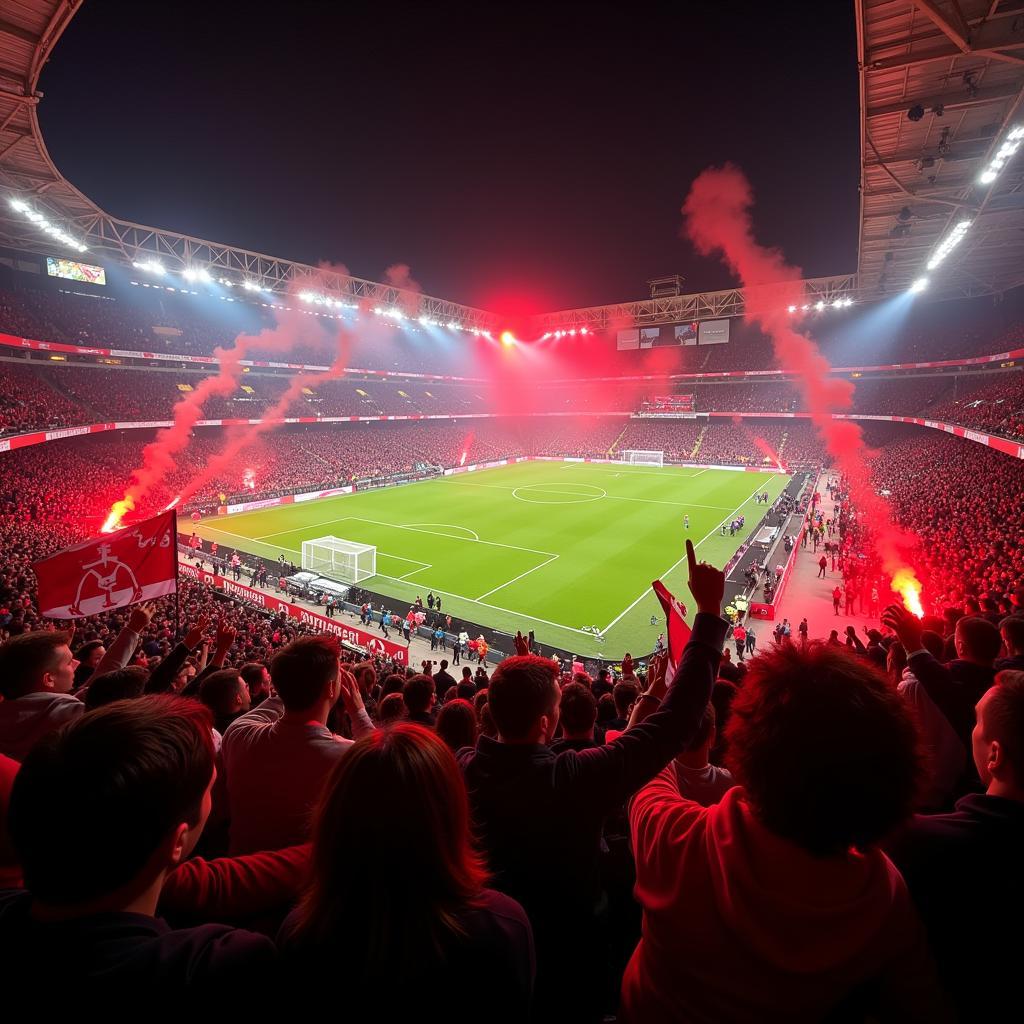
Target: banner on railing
276 605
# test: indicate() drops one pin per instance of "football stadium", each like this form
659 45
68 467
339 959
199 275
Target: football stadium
518 525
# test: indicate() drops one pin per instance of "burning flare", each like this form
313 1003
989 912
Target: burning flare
117 512
906 585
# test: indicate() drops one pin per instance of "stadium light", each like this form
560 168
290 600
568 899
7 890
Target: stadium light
197 274
949 243
1003 155
919 285
47 226
819 305
150 266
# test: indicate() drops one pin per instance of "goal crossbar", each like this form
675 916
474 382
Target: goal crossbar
340 559
641 457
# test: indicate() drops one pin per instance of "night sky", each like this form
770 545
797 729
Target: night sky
518 159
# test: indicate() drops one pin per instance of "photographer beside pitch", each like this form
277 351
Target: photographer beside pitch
539 814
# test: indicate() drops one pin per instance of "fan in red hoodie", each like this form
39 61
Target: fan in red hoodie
776 904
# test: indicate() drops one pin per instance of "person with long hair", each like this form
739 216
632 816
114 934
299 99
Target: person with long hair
397 908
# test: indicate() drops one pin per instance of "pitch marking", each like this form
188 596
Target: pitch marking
671 568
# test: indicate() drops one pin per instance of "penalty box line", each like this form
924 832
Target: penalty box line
293 551
675 565
447 593
412 529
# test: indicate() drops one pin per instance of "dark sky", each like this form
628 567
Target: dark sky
517 158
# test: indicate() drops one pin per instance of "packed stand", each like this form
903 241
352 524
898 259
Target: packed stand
997 407
27 403
646 845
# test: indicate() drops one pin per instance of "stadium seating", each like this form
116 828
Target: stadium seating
961 499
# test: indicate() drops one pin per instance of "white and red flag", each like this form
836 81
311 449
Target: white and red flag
678 630
136 563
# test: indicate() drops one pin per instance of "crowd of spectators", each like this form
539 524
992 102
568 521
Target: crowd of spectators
237 811
997 406
182 814
155 319
586 846
26 403
46 395
962 500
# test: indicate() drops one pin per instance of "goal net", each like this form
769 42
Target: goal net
643 458
341 560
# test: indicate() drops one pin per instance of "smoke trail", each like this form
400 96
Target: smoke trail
236 444
717 213
466 445
399 276
761 444
158 457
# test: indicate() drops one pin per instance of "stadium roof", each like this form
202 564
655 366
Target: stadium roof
941 83
29 29
941 86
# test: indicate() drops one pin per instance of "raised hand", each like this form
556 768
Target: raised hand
656 671
225 638
627 667
905 625
141 616
522 644
195 635
707 584
351 697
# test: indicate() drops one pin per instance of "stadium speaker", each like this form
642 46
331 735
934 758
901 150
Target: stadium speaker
916 112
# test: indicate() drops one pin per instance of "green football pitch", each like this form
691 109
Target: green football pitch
556 547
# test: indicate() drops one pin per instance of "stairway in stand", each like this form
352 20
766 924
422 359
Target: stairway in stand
700 439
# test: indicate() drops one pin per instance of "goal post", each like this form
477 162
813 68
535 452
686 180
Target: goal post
637 457
342 560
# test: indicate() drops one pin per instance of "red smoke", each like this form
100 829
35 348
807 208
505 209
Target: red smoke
399 276
225 459
717 213
158 457
761 444
466 445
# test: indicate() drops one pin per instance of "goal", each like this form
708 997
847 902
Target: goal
342 560
643 458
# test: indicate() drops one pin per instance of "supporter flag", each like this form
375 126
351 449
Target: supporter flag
136 563
678 630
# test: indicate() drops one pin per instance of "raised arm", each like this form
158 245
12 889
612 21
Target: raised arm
162 677
621 767
120 652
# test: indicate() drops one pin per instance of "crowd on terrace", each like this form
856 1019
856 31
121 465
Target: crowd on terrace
245 812
44 397
64 393
576 836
